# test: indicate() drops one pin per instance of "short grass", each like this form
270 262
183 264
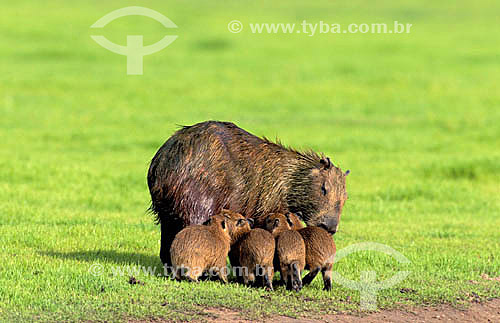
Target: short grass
415 117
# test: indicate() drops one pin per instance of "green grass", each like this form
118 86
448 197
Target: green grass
413 116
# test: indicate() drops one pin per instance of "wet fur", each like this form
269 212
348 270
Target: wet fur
213 165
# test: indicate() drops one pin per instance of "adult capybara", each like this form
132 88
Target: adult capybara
200 248
252 257
320 251
213 165
290 253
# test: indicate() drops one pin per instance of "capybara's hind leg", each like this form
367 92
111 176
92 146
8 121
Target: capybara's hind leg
295 277
268 278
221 269
177 273
286 277
310 276
327 277
168 231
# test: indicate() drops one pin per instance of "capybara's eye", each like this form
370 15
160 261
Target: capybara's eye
323 189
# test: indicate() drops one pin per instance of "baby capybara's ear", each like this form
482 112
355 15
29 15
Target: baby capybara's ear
250 221
290 222
276 223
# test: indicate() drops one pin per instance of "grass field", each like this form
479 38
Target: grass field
415 117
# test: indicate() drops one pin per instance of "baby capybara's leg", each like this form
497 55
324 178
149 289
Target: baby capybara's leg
177 273
310 276
285 277
295 278
221 269
327 276
268 278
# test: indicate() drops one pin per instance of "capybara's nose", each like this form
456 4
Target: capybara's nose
329 224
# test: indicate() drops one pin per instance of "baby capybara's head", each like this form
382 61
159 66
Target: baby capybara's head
294 221
237 224
317 193
276 223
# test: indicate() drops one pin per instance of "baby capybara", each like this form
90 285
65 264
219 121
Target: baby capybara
213 165
201 248
290 250
320 251
252 256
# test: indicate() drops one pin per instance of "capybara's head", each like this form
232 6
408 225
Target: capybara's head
237 224
221 224
317 193
276 223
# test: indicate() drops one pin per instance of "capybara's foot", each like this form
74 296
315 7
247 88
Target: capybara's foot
268 283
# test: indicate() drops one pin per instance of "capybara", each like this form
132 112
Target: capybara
252 257
290 251
213 165
320 251
200 248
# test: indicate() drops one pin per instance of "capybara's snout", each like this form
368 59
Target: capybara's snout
329 223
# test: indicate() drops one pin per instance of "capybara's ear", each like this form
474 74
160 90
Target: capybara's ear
288 219
326 163
250 221
299 214
276 223
241 222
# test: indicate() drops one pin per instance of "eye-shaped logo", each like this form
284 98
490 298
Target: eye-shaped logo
368 286
135 49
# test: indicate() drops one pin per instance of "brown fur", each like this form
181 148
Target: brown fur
253 253
201 248
290 250
213 165
320 251
237 224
